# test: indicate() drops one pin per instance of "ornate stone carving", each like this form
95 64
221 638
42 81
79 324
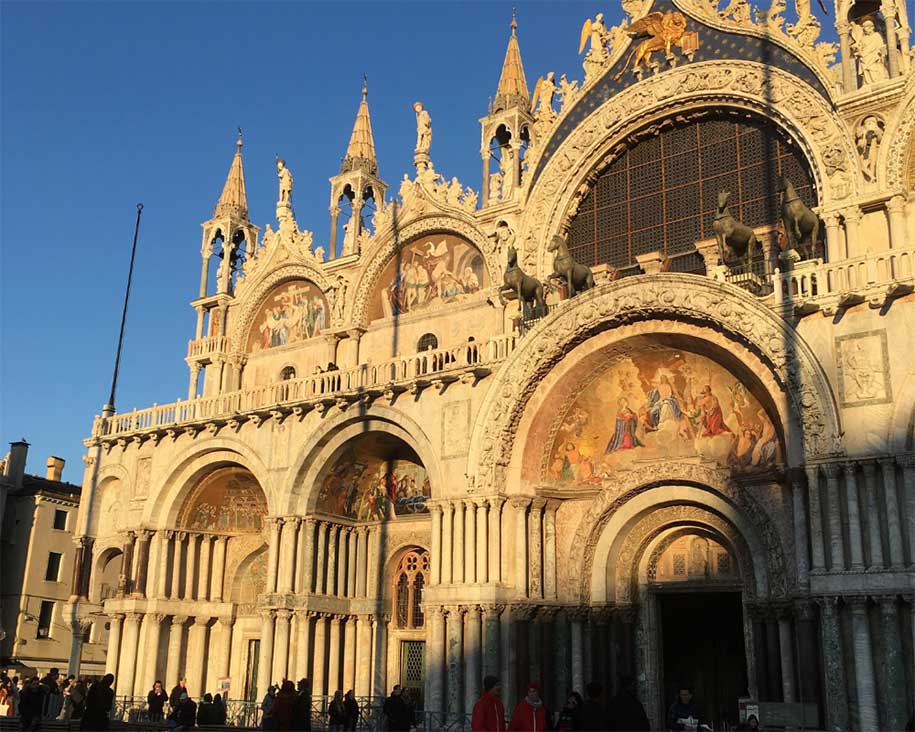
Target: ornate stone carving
868 135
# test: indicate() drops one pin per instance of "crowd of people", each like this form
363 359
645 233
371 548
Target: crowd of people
53 696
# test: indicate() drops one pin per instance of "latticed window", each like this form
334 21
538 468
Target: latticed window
661 192
409 581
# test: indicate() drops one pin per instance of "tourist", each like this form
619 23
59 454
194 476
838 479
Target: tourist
98 704
398 710
31 704
489 712
683 713
336 712
155 702
351 711
530 713
282 706
569 719
752 724
220 713
186 713
301 707
66 687
52 698
205 711
592 715
78 699
269 719
626 711
175 697
6 702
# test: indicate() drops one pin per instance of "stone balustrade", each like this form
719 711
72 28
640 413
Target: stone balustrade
206 346
399 373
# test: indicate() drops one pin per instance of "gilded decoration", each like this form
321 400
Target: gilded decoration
227 500
659 403
375 477
431 272
292 313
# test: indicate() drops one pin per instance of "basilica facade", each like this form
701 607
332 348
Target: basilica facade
640 404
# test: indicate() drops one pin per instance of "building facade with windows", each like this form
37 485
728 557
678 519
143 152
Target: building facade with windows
36 552
678 460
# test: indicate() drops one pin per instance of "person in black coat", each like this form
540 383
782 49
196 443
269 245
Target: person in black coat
398 710
683 708
592 716
31 704
301 707
174 699
155 702
98 704
187 713
350 711
625 711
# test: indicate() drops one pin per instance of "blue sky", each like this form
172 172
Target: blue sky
108 104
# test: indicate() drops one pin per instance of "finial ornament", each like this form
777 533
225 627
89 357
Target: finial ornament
365 85
239 142
514 23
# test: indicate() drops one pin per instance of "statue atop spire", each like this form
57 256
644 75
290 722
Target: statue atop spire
360 153
512 90
234 199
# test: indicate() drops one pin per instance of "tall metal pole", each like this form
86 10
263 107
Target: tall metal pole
108 409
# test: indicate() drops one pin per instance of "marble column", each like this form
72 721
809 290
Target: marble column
855 542
379 654
893 523
834 514
174 669
482 568
457 560
435 561
455 620
196 653
786 654
892 665
305 563
874 542
165 540
864 665
265 660
275 524
129 647
818 560
333 556
470 542
362 561
333 664
576 617
219 569
892 50
222 665
836 702
286 562
908 481
145 679
318 669
472 652
849 74
190 568
321 562
374 560
834 251
349 653
178 562
549 550
113 654
896 209
302 644
506 658
436 660
142 563
203 579
491 639
773 654
352 559
535 549
363 660
495 539
520 504
808 653
801 539
343 545
447 543
852 218
281 645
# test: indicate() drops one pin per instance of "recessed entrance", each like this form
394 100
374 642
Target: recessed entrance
702 646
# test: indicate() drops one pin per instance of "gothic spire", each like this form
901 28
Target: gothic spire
512 90
234 199
360 153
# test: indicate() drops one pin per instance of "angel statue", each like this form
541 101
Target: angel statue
664 31
544 91
596 32
568 90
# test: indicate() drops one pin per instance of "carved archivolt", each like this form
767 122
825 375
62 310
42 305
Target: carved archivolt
898 158
254 298
699 300
389 243
770 92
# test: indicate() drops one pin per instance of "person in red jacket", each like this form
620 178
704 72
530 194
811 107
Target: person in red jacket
489 712
530 715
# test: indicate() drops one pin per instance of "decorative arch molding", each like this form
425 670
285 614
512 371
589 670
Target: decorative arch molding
655 547
617 509
254 297
898 156
301 480
401 544
900 437
773 93
390 243
193 464
699 300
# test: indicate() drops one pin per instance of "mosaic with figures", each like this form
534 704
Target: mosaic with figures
374 478
292 313
228 500
662 403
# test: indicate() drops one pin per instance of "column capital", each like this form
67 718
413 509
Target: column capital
473 610
870 468
578 614
852 214
553 504
181 535
283 614
480 502
858 603
200 620
133 617
434 506
520 503
491 612
537 503
267 614
830 218
887 604
896 204
813 474
626 613
156 618
850 466
828 603
179 619
520 613
805 610
116 617
602 615
226 621
832 470
783 610
496 501
335 619
888 462
546 613
906 461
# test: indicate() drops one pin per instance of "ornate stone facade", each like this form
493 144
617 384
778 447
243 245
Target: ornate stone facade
392 474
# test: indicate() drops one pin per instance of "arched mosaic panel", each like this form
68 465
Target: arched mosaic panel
226 500
293 312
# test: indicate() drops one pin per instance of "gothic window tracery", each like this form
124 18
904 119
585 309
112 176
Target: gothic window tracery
409 581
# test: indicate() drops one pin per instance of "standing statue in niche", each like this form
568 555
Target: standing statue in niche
870 50
282 172
868 137
801 224
423 129
528 290
734 238
576 277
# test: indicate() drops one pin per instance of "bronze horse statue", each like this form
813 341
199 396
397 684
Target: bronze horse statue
578 277
801 224
734 238
527 289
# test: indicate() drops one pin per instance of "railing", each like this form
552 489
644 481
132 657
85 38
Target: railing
208 345
394 371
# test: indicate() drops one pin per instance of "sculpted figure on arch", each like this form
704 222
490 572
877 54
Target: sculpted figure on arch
423 128
870 50
576 277
285 176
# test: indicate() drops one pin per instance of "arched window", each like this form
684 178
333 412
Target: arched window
427 341
287 373
409 581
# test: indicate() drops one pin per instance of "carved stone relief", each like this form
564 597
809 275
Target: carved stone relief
863 369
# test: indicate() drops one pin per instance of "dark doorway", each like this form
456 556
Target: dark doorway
703 647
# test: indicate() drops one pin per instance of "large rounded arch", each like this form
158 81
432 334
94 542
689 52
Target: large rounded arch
813 422
896 160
